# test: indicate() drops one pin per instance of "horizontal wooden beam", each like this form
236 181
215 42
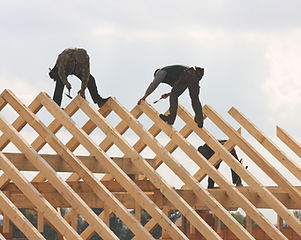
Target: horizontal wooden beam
49 192
59 165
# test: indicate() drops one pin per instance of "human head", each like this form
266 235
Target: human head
53 74
199 72
156 71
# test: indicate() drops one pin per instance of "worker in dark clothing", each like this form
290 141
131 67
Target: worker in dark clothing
207 152
74 62
180 78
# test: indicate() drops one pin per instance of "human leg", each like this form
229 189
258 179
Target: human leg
58 92
210 180
93 90
194 91
176 91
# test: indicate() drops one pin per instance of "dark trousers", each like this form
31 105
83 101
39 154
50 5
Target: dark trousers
194 90
235 178
59 88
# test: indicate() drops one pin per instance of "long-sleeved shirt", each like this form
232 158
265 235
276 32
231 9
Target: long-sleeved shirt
74 61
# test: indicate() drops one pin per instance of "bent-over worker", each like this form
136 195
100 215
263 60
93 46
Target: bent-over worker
180 78
74 61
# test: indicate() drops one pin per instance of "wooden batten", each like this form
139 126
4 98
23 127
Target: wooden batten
40 222
266 142
212 203
289 141
34 196
123 179
131 181
59 165
249 225
99 154
168 192
17 218
43 166
266 167
233 193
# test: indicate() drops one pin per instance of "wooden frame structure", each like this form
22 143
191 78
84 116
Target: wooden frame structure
131 181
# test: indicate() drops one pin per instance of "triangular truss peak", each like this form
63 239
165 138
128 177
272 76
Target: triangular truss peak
131 181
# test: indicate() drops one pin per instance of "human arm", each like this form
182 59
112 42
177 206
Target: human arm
159 77
62 75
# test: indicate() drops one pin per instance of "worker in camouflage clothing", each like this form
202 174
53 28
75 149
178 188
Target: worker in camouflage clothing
180 78
74 61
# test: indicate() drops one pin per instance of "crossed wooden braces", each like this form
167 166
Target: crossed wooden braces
132 181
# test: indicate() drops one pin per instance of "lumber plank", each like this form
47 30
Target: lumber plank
62 187
266 142
88 232
59 165
149 226
1 237
4 180
289 141
40 222
120 176
249 225
235 195
214 160
84 139
185 176
56 200
36 198
19 123
18 218
265 166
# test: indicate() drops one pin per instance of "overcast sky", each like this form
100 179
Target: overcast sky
250 50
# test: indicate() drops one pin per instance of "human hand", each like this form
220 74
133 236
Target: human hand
82 93
68 85
141 99
165 95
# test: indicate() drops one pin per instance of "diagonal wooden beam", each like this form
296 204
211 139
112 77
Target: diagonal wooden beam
58 164
18 218
1 237
214 160
265 166
100 155
35 197
154 177
65 189
266 142
185 176
289 141
233 193
62 187
4 180
19 123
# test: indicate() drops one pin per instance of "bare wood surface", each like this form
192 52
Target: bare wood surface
180 171
266 142
289 141
122 178
62 187
36 198
266 167
59 165
18 218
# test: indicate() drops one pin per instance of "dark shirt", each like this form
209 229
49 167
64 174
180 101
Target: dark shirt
73 61
172 73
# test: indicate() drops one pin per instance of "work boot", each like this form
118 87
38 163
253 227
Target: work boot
199 122
166 119
102 102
